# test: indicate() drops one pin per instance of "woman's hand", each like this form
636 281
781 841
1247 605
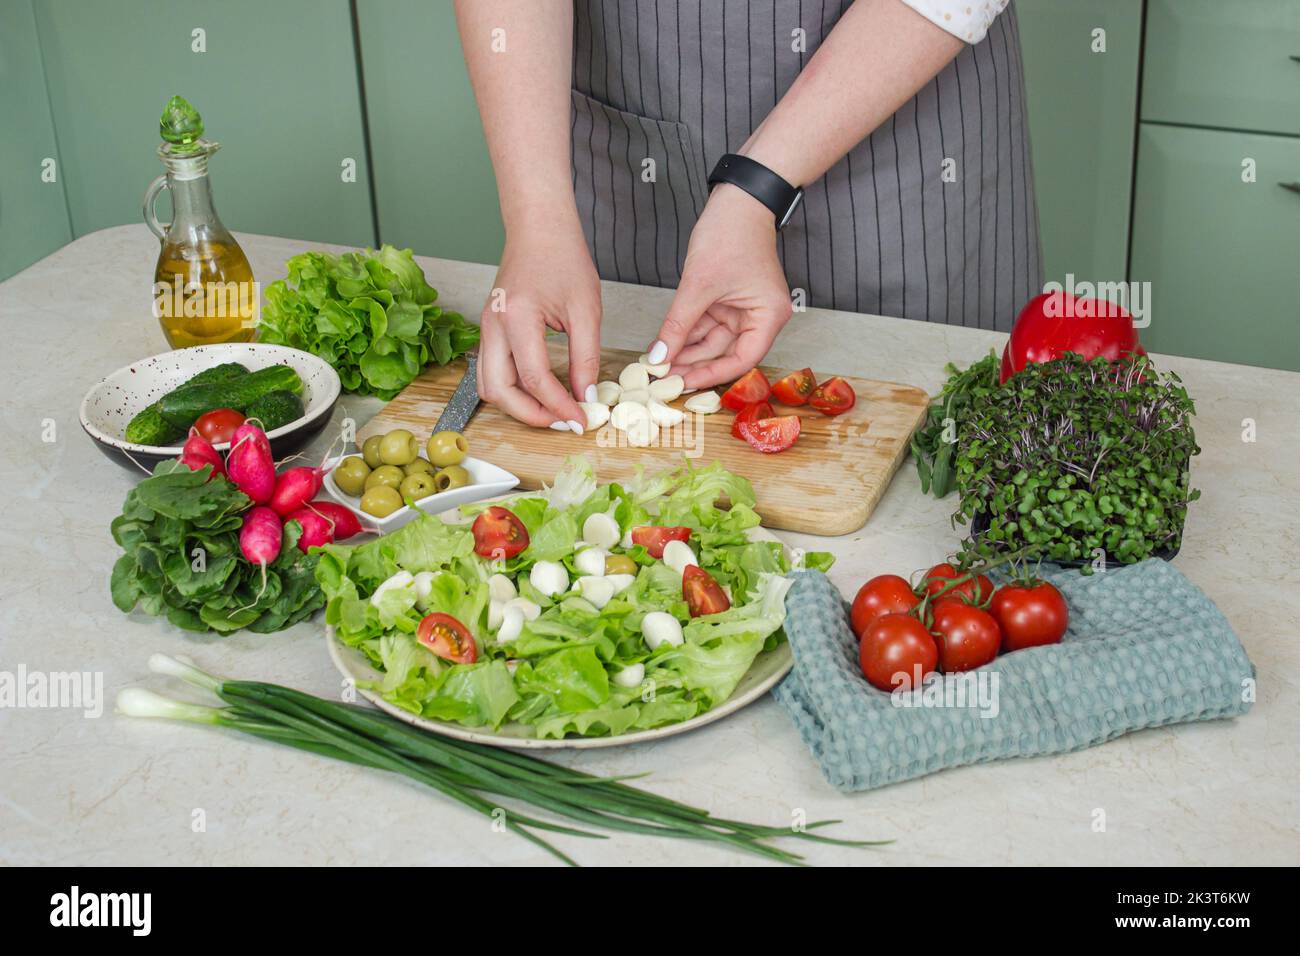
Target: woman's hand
546 281
733 298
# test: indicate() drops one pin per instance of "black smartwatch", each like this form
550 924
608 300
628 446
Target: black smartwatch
761 183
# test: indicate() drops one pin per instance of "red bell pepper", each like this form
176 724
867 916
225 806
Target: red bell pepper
1053 323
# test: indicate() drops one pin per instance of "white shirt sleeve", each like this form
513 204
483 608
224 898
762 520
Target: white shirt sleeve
967 20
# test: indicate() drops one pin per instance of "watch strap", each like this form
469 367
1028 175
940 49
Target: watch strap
760 182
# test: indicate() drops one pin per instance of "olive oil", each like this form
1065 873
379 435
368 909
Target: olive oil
204 291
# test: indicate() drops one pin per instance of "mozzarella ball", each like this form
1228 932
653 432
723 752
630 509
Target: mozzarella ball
527 608
596 412
512 624
704 403
598 590
601 530
423 589
590 561
621 582
549 578
666 389
678 554
665 416
634 376
501 588
630 676
660 627
495 612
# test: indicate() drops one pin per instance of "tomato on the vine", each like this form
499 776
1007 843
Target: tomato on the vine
976 590
1030 614
883 594
968 637
897 651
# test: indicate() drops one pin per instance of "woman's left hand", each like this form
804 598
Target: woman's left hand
732 299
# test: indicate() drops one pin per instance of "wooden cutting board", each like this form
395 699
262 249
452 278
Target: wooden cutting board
827 483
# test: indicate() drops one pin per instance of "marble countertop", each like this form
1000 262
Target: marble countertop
108 790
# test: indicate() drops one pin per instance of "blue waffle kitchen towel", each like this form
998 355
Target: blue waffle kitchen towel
1145 648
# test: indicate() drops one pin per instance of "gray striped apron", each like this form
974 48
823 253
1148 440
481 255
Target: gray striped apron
684 81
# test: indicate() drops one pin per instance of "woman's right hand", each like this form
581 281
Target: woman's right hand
546 281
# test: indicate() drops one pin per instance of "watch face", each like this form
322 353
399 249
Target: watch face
794 204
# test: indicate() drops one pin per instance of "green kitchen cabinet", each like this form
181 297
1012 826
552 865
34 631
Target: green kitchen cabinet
1226 65
1082 104
434 187
276 83
33 208
1219 252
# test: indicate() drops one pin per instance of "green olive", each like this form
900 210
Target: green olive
420 466
351 475
416 487
453 476
619 564
398 447
447 448
381 501
370 451
388 475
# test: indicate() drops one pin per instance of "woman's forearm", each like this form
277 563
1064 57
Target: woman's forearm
519 54
879 54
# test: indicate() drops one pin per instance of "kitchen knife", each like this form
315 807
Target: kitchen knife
464 401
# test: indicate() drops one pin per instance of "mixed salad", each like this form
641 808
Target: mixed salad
579 609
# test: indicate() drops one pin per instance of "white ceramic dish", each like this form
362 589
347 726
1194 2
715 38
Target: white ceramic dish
486 481
766 671
114 401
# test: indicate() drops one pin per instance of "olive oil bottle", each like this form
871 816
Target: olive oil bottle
204 291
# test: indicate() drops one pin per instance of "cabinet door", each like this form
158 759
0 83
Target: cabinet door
434 186
1220 253
1229 65
33 213
1082 108
276 84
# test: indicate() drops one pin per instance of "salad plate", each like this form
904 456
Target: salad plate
547 691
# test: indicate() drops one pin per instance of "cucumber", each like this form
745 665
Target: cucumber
182 407
149 427
275 410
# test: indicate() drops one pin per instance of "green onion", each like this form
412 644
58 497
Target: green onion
465 772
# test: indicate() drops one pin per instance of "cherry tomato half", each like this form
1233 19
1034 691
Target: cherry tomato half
703 594
897 651
883 594
833 397
771 435
748 414
652 537
1029 615
751 387
447 638
219 424
795 388
968 637
498 534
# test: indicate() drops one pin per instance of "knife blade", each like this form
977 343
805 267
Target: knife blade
464 400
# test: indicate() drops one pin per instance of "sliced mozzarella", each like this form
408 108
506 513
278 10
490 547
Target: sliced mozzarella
626 541
549 578
527 608
596 413
656 369
704 403
665 416
496 610
601 530
501 588
512 624
423 589
598 590
590 560
402 579
630 676
626 413
666 389
660 627
607 393
639 395
678 554
621 582
634 376
642 433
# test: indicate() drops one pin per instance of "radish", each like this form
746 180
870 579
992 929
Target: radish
345 522
249 463
294 488
198 452
260 537
316 528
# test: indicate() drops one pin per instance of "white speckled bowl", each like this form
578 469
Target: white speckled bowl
114 401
